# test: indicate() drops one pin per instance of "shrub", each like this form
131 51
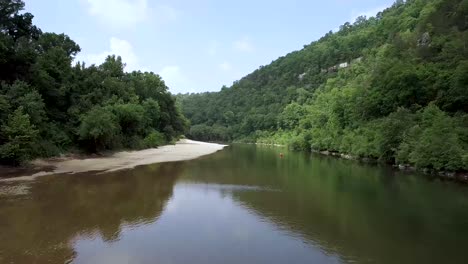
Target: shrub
154 139
434 143
18 136
98 129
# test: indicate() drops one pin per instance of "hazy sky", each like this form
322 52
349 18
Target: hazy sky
196 45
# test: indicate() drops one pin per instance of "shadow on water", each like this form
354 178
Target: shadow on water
363 213
244 204
42 226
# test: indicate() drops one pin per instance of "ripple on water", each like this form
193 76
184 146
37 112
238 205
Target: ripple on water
230 187
14 189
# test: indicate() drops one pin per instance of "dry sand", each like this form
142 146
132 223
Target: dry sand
182 150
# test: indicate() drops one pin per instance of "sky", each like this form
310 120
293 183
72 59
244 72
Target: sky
195 45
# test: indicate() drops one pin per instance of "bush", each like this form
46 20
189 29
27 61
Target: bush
152 113
154 139
391 131
46 149
300 142
130 117
98 129
18 136
210 133
434 142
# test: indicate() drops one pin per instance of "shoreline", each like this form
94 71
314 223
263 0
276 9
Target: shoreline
183 150
461 177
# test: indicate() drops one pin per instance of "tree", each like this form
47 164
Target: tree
434 143
76 107
152 113
17 136
360 91
99 129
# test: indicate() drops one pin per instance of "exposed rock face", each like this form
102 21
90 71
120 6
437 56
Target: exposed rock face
301 76
425 40
343 65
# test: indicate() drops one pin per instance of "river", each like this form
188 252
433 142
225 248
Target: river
244 204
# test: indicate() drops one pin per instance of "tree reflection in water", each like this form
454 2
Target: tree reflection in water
41 227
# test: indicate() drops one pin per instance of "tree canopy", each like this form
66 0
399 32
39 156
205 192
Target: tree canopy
50 104
392 87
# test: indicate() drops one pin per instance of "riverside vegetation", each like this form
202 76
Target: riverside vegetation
50 105
392 87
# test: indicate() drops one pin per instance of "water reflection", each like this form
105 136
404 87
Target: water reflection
363 213
202 224
241 205
42 227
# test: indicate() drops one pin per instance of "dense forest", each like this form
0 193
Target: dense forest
50 104
392 87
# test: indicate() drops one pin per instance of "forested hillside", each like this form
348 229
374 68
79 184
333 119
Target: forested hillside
50 105
392 87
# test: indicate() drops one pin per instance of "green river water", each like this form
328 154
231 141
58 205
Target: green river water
243 204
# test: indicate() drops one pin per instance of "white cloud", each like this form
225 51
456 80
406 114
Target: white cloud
243 45
119 13
175 79
225 66
118 47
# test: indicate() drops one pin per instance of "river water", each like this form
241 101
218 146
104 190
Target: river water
244 204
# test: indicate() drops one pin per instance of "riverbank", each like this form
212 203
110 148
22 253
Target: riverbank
183 150
459 176
448 175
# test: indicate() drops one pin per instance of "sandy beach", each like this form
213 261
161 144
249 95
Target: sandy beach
183 150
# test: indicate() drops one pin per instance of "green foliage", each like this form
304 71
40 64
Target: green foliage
99 129
291 116
210 133
300 142
154 139
392 87
21 94
391 131
130 117
434 142
49 106
18 136
152 112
